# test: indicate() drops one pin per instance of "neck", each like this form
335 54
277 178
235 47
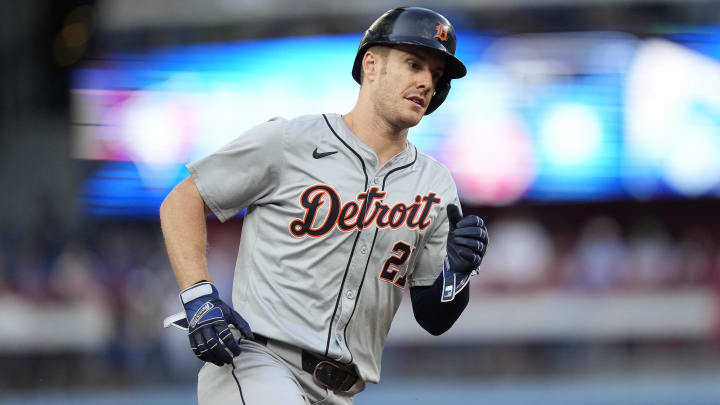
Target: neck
384 138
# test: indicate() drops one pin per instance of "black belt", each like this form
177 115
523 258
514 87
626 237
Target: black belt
329 373
259 339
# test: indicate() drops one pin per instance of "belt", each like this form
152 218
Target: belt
259 339
327 372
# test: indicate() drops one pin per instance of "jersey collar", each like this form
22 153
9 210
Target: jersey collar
366 152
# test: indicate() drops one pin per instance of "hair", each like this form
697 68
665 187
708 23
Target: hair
381 50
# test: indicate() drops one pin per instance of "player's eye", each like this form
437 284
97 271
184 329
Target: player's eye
414 65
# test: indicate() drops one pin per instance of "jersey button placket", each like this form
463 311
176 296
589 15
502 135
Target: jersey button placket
354 279
347 306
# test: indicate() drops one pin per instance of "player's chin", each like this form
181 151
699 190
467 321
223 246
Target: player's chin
412 116
410 119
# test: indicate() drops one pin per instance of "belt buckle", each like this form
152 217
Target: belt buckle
317 377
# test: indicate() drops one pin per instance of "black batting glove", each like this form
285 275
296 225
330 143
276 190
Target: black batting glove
208 324
467 240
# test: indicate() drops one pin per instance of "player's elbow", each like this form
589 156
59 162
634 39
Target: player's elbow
435 325
433 320
435 329
436 332
433 315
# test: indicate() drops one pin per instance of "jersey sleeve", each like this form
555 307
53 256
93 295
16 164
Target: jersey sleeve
241 172
429 263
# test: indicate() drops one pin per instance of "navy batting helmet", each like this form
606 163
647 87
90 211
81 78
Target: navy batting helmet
415 26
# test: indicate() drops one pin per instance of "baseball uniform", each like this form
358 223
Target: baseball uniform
330 239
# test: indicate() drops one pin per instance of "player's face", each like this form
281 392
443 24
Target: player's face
406 84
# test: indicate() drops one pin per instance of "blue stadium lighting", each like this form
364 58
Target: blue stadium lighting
117 189
578 147
565 139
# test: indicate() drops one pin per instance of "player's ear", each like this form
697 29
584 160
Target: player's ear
370 64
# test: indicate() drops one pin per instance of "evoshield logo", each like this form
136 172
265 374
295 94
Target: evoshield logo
200 313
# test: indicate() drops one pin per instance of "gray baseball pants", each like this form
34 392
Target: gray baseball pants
264 375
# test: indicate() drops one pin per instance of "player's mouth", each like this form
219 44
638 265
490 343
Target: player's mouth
417 100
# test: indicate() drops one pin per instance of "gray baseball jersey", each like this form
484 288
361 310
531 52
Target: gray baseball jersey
330 239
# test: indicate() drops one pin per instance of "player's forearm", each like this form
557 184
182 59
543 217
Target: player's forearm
435 316
182 218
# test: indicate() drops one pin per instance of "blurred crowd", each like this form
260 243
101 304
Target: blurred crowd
101 295
601 254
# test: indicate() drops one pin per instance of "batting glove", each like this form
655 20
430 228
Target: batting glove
467 241
208 324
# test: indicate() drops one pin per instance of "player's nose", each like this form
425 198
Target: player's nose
424 80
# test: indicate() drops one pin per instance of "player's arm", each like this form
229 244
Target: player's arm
467 241
182 218
431 313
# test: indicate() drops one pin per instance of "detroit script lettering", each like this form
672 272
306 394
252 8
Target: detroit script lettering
360 213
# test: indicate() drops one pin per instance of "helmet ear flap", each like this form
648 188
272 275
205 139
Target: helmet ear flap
442 89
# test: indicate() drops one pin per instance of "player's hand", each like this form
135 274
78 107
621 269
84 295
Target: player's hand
208 320
467 241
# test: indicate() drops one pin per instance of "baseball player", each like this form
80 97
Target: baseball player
343 213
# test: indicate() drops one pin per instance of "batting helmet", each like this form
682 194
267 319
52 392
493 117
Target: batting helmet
418 27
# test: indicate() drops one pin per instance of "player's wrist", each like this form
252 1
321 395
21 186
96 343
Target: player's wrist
198 290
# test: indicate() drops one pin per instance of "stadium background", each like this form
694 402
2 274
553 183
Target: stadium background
587 133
